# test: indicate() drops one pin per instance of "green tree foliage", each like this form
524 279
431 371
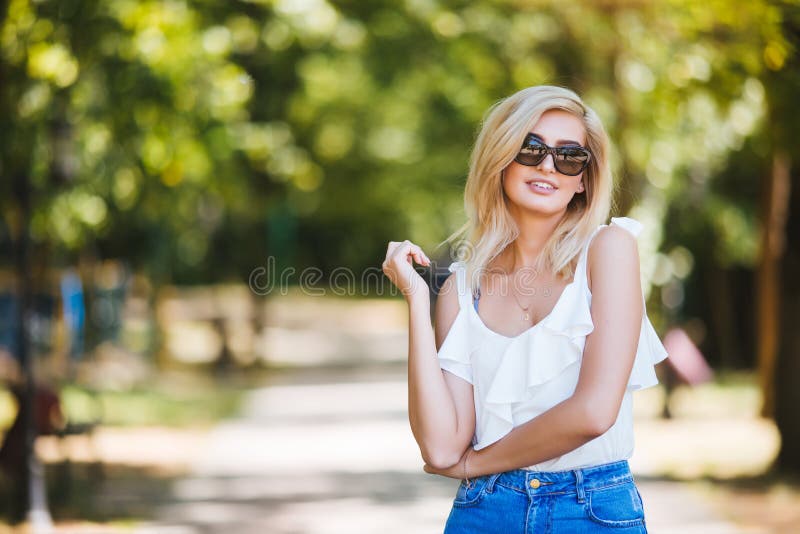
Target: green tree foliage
194 139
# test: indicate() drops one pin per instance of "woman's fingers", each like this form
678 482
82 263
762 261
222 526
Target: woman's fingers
407 250
399 265
417 253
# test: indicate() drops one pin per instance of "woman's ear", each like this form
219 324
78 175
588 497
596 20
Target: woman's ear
580 187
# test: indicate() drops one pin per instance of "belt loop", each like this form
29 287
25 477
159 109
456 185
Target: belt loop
579 485
492 479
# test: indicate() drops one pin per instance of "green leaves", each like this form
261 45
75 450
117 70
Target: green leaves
350 115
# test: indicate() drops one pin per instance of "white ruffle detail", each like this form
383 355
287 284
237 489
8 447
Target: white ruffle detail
462 286
527 363
456 350
631 225
649 352
531 360
571 317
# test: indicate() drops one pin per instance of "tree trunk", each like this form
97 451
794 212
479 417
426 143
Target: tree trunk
787 376
775 200
721 311
784 129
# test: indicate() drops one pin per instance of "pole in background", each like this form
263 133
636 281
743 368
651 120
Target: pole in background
38 515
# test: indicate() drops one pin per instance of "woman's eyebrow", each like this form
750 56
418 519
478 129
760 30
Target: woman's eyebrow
559 142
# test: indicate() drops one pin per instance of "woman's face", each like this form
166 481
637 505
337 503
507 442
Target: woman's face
555 128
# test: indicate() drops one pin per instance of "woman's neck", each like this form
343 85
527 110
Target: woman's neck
534 232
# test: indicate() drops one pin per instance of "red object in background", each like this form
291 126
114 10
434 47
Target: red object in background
49 418
685 358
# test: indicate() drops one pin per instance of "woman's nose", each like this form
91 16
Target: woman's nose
547 163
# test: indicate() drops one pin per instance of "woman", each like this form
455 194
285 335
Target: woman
541 331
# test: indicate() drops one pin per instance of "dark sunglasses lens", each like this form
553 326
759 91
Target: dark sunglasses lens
532 153
571 161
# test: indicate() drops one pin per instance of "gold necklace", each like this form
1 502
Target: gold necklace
526 316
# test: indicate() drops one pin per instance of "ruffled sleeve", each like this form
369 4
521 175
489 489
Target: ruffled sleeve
454 354
650 350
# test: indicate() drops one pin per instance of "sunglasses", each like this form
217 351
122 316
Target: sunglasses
569 160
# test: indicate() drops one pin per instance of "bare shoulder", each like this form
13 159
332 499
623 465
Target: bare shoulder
613 250
447 309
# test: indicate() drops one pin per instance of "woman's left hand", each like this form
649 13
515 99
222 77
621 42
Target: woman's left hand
454 471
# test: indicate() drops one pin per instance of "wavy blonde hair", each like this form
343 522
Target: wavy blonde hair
490 227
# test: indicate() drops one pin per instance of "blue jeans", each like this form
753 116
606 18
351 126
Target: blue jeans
602 498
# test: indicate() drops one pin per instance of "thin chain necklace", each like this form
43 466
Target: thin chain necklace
526 316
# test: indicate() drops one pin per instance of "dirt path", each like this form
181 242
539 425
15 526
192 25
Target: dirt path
334 454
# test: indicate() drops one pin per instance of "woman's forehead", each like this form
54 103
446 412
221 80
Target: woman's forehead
556 127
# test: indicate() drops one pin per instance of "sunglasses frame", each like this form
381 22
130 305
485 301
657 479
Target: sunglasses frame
554 151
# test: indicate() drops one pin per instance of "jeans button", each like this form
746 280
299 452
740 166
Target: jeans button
535 483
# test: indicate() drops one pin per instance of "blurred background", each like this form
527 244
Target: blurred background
195 334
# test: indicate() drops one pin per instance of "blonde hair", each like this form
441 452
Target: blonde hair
490 227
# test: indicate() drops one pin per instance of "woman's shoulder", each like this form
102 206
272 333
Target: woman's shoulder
447 305
618 236
614 244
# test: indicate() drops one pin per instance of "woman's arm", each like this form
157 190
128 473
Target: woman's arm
440 405
610 349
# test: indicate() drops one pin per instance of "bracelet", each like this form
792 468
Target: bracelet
466 458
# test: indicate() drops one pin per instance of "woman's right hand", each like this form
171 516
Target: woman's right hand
399 267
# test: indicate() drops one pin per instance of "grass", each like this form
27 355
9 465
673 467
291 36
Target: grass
146 407
174 401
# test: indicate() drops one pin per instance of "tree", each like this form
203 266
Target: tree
782 84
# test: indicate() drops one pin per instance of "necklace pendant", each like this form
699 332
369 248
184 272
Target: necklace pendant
527 316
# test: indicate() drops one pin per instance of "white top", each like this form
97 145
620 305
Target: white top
517 378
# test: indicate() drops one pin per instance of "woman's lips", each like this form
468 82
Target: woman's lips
541 189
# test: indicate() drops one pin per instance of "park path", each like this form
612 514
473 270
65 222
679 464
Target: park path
329 451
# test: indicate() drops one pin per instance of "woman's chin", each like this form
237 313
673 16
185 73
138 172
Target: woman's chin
547 206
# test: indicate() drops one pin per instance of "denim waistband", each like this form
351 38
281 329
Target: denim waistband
571 481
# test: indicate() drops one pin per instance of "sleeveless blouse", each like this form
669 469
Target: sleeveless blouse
517 378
